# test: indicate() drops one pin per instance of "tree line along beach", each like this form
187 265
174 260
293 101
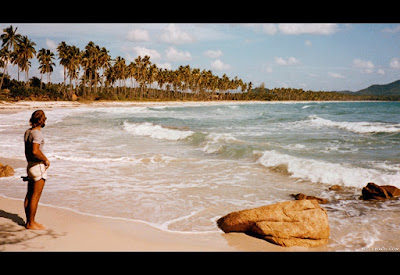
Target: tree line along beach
94 75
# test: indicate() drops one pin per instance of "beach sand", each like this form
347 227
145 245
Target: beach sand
67 230
7 106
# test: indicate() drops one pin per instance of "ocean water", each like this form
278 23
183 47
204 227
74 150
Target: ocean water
180 168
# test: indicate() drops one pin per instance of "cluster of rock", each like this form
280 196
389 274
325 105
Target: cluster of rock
295 223
6 170
379 192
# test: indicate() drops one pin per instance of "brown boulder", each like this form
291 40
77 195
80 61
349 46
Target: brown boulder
6 170
301 196
379 192
290 223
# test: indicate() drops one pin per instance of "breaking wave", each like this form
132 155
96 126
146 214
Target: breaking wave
357 127
325 172
211 143
156 131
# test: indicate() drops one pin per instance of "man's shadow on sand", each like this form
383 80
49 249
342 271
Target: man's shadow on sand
14 217
17 234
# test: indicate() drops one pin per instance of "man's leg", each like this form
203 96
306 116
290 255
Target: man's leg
31 203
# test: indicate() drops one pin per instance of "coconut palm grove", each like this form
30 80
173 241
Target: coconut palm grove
92 74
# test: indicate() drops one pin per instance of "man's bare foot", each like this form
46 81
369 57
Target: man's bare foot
35 226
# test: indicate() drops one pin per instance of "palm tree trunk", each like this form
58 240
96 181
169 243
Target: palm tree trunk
70 87
27 78
65 81
48 79
2 77
90 84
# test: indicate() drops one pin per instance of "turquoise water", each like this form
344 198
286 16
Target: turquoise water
180 168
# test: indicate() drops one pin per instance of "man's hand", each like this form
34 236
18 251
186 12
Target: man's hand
47 163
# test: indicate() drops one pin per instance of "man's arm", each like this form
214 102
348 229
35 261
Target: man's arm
39 155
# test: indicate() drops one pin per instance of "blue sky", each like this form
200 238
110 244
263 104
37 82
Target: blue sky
309 56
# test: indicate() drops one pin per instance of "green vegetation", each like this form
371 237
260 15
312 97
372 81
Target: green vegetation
391 89
104 78
262 93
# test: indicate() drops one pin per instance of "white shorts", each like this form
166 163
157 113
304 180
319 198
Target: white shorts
36 171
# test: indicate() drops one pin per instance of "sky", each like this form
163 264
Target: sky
310 56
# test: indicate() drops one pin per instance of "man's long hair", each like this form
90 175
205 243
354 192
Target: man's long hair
38 118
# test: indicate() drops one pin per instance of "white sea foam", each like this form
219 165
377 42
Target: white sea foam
216 141
158 158
325 172
156 131
357 127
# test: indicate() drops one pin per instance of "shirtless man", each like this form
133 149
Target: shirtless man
37 168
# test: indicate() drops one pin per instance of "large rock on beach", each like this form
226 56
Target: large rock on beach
289 223
6 170
379 192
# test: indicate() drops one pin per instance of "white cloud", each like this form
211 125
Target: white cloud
175 55
366 66
164 65
392 30
395 63
308 43
219 65
172 34
138 35
266 68
317 29
289 61
269 29
280 61
380 71
52 45
213 54
335 75
142 51
295 29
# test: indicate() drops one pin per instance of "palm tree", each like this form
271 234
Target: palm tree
24 51
72 63
110 76
250 86
63 55
162 78
104 62
95 56
142 67
45 58
4 58
88 59
120 70
9 39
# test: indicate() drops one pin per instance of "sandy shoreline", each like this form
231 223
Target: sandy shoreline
46 105
7 106
67 230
